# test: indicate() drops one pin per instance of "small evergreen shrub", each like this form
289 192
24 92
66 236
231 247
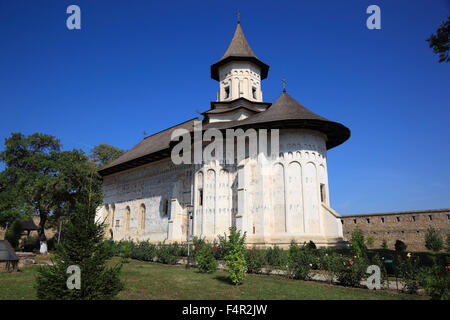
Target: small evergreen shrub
400 246
126 250
235 263
384 245
408 270
358 245
433 240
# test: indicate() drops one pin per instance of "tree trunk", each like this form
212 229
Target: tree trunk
41 232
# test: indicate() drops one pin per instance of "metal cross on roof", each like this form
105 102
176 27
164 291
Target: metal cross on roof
284 84
239 17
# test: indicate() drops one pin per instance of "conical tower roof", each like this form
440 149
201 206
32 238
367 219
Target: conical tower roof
239 50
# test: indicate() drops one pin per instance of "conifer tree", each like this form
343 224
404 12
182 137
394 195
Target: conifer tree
82 245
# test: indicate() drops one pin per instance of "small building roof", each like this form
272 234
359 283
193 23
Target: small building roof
7 252
29 225
239 50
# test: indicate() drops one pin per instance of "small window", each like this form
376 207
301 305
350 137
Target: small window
430 217
354 221
254 92
382 220
448 217
398 219
166 207
117 223
342 221
200 197
322 192
368 220
227 92
413 218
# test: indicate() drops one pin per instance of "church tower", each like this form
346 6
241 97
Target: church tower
239 71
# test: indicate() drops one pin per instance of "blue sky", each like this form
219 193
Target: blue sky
140 66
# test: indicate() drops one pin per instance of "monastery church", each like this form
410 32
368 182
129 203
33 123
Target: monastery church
283 198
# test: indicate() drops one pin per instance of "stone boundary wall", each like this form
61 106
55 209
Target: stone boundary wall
408 226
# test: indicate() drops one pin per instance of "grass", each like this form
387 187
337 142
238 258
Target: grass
145 280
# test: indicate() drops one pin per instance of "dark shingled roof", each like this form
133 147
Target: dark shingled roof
152 148
286 112
239 50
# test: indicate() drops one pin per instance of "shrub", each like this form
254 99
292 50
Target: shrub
384 245
447 240
13 233
311 245
144 251
235 263
276 257
436 279
349 272
112 247
408 268
255 260
433 240
205 258
126 250
167 254
30 244
370 240
358 246
400 246
300 261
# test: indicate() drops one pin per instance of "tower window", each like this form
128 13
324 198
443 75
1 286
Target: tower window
254 92
413 218
430 217
368 220
382 220
398 219
322 192
227 92
354 221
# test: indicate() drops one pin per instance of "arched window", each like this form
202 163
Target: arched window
126 223
141 220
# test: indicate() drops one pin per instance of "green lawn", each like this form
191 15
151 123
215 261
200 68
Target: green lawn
146 280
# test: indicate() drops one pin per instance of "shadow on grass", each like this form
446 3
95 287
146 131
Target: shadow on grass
223 279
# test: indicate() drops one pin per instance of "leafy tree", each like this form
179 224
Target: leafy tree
13 233
82 246
103 154
236 264
40 179
440 42
433 240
